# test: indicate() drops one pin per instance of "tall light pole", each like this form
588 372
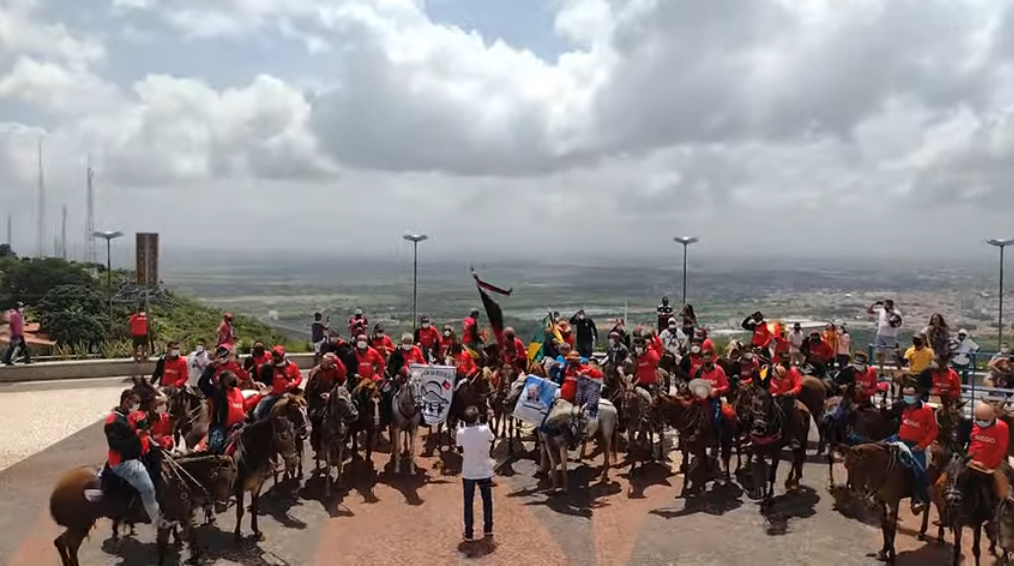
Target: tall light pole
109 236
686 241
415 239
1002 244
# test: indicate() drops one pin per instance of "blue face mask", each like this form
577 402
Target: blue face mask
911 399
983 424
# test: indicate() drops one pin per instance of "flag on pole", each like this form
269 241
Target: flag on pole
493 311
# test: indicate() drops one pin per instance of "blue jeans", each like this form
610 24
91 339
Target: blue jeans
264 406
921 487
216 439
134 473
486 493
716 409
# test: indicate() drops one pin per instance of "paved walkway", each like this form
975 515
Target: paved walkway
382 519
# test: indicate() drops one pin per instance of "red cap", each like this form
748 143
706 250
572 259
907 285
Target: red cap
280 350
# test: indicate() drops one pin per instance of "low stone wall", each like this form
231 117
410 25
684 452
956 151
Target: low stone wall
85 369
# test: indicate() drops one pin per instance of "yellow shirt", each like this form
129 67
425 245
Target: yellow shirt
918 360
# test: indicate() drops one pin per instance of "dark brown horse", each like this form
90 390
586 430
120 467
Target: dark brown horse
771 430
875 469
186 411
367 398
504 424
845 423
476 390
187 483
256 447
968 501
292 407
334 424
692 419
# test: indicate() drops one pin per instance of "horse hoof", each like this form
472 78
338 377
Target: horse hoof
257 537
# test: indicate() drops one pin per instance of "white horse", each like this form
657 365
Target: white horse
568 418
406 415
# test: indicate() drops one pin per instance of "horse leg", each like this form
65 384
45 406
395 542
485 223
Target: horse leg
72 540
300 448
563 464
371 433
607 448
327 468
956 529
395 448
892 526
976 541
61 547
237 533
162 544
830 467
255 498
726 455
412 433
190 531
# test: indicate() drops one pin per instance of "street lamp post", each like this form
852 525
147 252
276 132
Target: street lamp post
415 239
686 241
1002 244
109 236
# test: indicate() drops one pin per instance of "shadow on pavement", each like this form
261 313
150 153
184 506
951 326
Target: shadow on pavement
720 500
800 503
214 544
645 476
580 498
279 500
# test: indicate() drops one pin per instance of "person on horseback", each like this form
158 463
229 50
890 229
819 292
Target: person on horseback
463 362
749 365
818 354
428 339
371 365
758 327
646 376
224 361
861 377
358 323
617 352
283 376
380 341
258 358
785 385
514 352
447 338
323 378
575 389
410 353
128 446
228 407
171 369
470 331
987 448
918 431
715 375
156 415
671 338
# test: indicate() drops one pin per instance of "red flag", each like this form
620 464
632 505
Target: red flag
490 287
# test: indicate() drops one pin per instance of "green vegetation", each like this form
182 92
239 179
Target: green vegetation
70 301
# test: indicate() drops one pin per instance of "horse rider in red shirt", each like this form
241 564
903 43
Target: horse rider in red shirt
283 375
918 431
464 362
946 383
226 332
358 323
228 408
128 446
410 353
381 342
514 352
171 370
427 338
371 364
447 338
987 448
715 376
785 385
259 356
470 332
760 333
646 374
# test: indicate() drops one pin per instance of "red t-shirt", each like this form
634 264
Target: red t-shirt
761 335
918 425
428 337
791 383
465 364
946 383
717 378
988 444
866 384
138 325
161 430
382 344
647 364
414 356
285 377
174 372
136 418
371 364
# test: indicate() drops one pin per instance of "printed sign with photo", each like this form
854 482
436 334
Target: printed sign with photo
535 400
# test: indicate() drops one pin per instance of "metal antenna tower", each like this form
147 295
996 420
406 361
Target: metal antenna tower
63 233
41 235
90 254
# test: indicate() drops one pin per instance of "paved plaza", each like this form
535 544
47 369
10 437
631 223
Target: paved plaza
382 519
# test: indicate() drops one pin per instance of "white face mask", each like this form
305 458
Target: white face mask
425 325
361 345
134 406
406 347
174 353
447 333
861 368
695 350
639 350
580 317
200 348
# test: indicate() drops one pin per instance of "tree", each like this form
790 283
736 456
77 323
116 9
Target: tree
6 251
29 280
72 315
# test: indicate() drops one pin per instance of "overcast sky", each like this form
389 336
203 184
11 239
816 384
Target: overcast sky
565 128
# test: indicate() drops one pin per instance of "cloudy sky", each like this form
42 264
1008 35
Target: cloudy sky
511 127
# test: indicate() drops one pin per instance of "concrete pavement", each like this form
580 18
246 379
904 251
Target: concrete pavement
384 519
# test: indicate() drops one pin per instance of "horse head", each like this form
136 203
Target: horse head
763 417
339 402
214 473
408 400
957 476
292 406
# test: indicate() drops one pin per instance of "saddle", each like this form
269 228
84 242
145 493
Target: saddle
114 488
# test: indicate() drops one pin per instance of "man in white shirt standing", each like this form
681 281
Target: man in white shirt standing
474 442
963 351
888 323
196 362
796 338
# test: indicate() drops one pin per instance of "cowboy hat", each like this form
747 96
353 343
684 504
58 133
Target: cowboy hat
700 388
573 356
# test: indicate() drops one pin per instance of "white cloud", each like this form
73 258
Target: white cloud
663 112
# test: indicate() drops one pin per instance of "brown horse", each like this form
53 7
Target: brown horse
476 390
292 407
771 430
334 423
692 419
844 423
503 422
812 394
186 411
366 396
187 482
256 447
968 501
875 469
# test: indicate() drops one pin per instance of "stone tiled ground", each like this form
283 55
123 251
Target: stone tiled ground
382 519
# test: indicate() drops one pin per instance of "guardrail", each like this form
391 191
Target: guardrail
85 369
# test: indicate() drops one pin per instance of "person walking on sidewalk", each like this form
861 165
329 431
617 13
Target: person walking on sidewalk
474 441
16 320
